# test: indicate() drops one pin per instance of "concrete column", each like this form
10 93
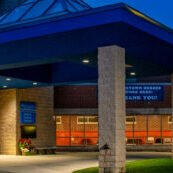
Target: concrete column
172 110
111 62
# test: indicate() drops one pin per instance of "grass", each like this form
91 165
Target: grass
144 166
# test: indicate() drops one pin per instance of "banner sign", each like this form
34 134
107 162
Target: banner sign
144 93
27 113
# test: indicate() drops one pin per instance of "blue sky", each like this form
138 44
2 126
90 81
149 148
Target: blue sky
160 10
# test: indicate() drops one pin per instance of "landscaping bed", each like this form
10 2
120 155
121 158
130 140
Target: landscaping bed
142 166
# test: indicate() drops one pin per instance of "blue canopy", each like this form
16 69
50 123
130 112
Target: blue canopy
48 47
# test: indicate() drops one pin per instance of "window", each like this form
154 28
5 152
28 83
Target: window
58 120
169 119
77 130
87 120
130 120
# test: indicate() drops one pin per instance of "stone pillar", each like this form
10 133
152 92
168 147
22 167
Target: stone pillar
111 64
172 112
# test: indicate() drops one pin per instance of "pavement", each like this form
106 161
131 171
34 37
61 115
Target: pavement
62 162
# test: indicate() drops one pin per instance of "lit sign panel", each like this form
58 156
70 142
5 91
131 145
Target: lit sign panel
27 113
144 93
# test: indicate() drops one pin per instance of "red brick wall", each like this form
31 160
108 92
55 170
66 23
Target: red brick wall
75 96
86 97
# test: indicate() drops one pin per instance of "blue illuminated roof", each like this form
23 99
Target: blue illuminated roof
46 40
33 9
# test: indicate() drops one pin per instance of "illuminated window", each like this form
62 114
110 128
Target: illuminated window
130 120
169 119
58 120
87 120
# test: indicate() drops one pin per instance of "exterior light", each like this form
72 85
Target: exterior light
8 79
128 66
132 73
35 83
5 86
86 61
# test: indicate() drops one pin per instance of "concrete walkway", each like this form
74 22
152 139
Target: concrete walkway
61 162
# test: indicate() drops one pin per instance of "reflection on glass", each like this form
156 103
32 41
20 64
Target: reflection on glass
130 120
62 141
154 129
140 130
77 126
29 1
63 127
16 14
77 130
38 9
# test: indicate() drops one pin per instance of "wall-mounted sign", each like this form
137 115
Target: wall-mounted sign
144 93
27 113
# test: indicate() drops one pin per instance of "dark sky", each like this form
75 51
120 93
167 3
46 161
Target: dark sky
160 10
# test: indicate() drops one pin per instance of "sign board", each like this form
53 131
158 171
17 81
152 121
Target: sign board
27 113
144 92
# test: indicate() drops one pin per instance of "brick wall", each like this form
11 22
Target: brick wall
10 117
85 96
8 121
76 96
46 128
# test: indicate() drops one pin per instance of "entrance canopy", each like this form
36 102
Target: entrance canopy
47 41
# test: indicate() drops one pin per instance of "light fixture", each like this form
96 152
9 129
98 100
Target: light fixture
8 79
5 86
86 61
35 83
132 73
128 66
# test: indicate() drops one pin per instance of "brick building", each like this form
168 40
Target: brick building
147 122
46 43
10 128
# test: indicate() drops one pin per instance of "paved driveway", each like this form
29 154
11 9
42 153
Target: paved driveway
60 163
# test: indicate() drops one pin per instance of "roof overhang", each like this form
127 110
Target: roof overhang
70 37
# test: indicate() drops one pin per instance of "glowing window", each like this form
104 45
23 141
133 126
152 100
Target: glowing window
58 119
169 119
130 120
87 120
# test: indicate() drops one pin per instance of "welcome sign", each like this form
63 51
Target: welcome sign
27 113
144 92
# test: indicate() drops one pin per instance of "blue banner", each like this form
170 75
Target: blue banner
144 93
27 113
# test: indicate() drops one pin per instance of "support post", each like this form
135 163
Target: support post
112 113
172 112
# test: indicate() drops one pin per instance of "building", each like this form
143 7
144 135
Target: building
147 121
49 43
